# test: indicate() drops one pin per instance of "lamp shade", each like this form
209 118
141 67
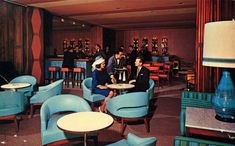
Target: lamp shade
219 44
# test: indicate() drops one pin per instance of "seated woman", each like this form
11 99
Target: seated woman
100 79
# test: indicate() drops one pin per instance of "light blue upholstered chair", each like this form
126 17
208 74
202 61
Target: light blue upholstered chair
188 141
193 99
88 95
11 104
133 140
59 106
129 107
45 92
28 91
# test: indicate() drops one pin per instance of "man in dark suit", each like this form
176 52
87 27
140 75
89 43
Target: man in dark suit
140 76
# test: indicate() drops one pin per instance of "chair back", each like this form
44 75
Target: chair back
86 87
193 99
150 91
56 87
62 103
26 79
188 141
121 104
11 103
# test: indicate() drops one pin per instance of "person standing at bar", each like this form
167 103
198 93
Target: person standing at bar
69 57
132 58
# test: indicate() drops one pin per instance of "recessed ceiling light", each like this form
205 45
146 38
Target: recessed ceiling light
83 25
62 20
74 22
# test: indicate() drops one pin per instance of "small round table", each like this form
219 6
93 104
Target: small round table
84 122
15 86
120 86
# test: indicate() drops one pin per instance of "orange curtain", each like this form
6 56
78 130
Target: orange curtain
207 78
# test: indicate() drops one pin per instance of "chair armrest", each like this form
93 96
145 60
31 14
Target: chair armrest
44 116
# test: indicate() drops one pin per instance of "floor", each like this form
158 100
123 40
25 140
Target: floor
164 124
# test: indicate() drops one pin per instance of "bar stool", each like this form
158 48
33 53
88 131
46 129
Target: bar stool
52 73
78 72
66 71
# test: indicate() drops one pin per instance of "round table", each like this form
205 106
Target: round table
84 122
15 86
120 86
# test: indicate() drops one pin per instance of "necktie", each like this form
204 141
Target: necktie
137 73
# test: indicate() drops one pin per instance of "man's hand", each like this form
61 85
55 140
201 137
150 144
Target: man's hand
132 81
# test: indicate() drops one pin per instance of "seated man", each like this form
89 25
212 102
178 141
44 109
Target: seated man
139 77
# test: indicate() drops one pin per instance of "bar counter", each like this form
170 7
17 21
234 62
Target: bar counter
84 63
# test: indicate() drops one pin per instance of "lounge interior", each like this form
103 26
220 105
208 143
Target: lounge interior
35 34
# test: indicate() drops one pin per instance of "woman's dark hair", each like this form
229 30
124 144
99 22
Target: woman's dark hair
98 45
98 65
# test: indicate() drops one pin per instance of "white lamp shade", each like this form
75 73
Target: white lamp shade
219 44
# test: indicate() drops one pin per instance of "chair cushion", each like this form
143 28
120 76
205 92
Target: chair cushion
122 142
53 133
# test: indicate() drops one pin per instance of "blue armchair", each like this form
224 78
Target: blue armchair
193 99
133 140
188 141
28 91
45 92
26 79
90 97
129 107
11 104
59 106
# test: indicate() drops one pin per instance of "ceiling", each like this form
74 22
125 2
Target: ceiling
121 14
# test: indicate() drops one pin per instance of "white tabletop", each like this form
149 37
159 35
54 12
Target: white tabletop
120 86
84 122
202 118
15 85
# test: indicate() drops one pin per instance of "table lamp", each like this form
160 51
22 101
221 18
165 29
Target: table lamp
219 51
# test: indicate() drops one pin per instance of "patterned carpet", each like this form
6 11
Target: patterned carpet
164 124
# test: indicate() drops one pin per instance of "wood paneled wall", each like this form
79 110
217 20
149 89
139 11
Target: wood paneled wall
94 35
12 37
181 42
21 38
